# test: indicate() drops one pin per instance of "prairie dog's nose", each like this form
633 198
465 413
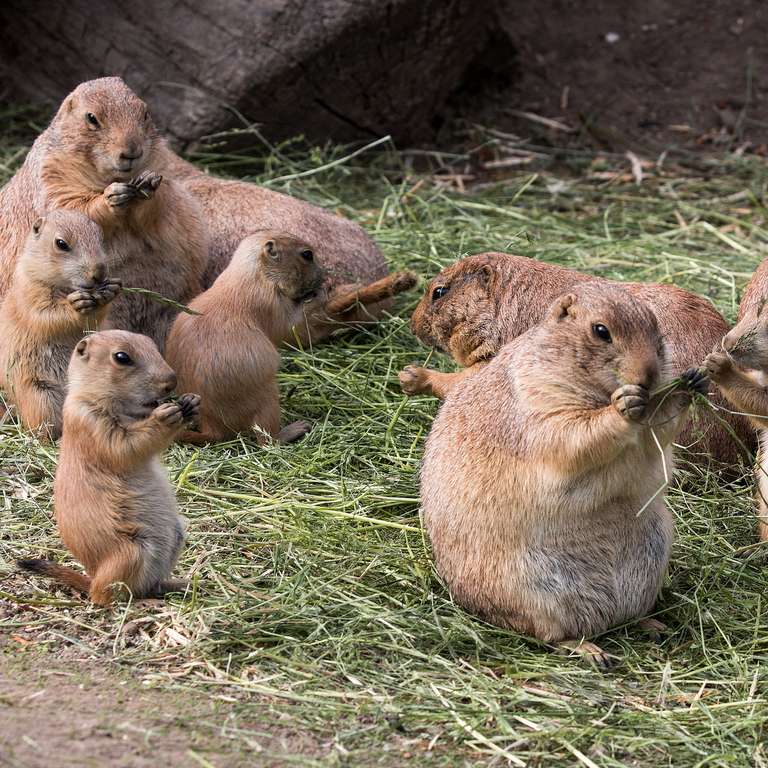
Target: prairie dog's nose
131 151
97 273
169 383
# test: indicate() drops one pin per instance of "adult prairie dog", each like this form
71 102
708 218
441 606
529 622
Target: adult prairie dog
101 155
228 353
60 290
542 481
739 367
114 505
479 303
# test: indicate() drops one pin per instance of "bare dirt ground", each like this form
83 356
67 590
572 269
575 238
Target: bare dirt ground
81 712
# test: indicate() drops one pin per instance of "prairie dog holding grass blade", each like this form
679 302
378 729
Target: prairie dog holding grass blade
102 156
480 303
228 352
739 367
114 504
542 484
60 290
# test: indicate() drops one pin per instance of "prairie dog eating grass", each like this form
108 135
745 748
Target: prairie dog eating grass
114 505
228 352
59 291
542 484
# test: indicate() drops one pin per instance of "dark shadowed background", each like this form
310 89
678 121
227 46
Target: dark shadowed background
336 69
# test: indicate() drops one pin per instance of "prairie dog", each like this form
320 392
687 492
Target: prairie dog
228 353
542 484
350 260
479 303
114 505
102 156
60 290
739 367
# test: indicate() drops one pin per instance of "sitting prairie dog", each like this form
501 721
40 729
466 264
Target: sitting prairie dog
542 483
355 277
739 367
481 302
113 502
59 291
101 155
228 353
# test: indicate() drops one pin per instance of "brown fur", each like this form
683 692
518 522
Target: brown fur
228 353
114 505
739 367
58 293
537 468
154 232
494 297
350 260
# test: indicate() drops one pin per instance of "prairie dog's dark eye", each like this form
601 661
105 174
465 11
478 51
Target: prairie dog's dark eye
439 292
601 332
146 115
92 120
307 255
122 358
62 245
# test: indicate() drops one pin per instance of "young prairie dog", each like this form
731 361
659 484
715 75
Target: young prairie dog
739 367
113 502
479 303
228 353
102 156
60 290
542 483
355 279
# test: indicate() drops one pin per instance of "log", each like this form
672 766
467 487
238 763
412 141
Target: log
338 69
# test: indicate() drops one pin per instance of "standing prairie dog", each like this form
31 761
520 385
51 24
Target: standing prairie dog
739 367
481 302
60 290
114 505
102 156
542 482
228 353
355 279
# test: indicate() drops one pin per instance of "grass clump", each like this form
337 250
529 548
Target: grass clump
315 606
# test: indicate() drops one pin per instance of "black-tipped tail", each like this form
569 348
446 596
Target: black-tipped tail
60 573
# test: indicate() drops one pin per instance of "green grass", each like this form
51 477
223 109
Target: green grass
315 604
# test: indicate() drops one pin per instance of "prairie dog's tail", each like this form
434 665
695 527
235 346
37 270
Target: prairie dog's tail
60 573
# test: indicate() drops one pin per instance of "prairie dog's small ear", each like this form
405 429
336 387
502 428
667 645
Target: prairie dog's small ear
271 250
37 226
81 350
487 274
761 305
562 307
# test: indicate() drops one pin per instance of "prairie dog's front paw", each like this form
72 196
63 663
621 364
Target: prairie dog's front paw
717 364
190 407
107 291
413 380
169 414
146 183
119 194
83 301
695 380
631 401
